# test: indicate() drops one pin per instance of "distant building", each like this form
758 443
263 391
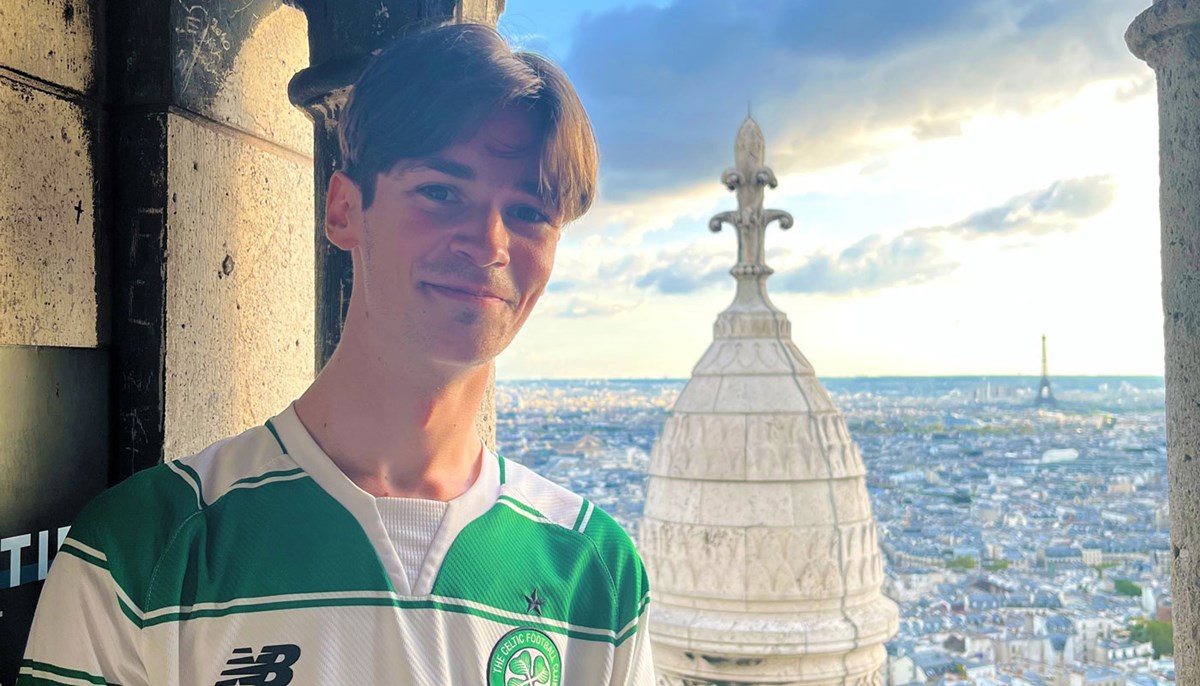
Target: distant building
1057 455
1080 675
1122 652
1045 397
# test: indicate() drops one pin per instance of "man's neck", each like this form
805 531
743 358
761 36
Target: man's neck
394 433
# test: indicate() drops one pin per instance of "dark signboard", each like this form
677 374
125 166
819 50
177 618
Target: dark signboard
53 459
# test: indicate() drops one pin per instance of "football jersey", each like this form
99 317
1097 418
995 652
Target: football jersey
256 561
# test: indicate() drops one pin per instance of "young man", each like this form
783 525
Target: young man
365 535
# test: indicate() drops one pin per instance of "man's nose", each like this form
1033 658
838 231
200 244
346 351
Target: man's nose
484 239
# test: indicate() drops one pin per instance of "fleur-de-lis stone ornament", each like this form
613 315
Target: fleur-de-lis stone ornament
749 179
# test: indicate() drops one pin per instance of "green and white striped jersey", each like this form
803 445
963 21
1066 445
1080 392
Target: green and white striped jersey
256 561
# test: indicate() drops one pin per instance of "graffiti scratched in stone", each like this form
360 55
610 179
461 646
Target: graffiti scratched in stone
206 42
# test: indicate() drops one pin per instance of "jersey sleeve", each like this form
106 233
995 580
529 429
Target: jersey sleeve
632 664
87 627
79 631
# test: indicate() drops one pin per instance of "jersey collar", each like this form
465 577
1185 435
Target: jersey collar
461 511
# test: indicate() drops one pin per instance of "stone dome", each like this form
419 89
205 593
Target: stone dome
758 534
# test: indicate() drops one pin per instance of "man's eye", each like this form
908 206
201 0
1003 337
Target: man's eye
436 192
526 213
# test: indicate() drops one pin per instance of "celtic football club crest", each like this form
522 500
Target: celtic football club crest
524 657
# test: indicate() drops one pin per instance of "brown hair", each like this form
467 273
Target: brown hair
431 88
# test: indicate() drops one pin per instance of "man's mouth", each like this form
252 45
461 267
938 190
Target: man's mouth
467 294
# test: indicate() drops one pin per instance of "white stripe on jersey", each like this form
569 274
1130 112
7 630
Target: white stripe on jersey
587 516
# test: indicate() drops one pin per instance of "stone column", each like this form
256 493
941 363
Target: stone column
1167 36
212 264
342 35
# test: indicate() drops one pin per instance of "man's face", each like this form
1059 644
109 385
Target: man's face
457 248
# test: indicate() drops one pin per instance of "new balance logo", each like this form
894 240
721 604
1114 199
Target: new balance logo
272 666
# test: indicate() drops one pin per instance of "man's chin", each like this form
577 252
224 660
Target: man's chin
464 357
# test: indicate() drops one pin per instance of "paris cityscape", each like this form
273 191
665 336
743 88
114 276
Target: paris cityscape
1025 543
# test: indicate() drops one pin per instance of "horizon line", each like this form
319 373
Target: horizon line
981 377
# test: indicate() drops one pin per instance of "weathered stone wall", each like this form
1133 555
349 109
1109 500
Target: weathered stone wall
214 256
169 215
242 350
239 223
52 224
1167 36
209 169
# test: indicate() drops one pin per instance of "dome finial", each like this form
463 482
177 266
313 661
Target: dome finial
749 179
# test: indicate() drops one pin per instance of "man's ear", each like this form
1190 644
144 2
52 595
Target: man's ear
343 212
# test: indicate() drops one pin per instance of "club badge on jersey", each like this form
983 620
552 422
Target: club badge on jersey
524 657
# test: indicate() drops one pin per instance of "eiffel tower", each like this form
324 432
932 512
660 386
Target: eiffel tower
1045 396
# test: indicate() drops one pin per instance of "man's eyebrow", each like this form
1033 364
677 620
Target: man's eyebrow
529 188
462 171
445 166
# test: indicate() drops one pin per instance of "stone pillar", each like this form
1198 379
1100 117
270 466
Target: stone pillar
342 35
1167 36
212 260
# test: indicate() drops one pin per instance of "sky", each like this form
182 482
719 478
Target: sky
965 175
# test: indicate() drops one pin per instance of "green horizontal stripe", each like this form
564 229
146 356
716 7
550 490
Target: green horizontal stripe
85 556
62 672
374 602
268 475
31 680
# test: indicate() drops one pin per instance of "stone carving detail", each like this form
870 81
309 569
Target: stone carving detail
702 446
782 447
742 326
691 559
787 562
872 679
749 180
738 356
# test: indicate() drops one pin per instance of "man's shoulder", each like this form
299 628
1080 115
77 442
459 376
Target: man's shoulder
541 535
179 488
563 508
127 527
250 459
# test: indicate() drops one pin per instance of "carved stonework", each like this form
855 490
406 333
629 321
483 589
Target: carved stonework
749 180
873 679
751 327
758 535
672 680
